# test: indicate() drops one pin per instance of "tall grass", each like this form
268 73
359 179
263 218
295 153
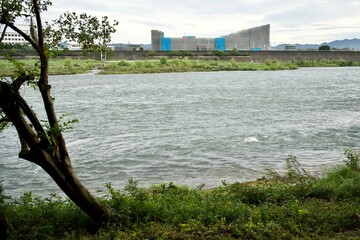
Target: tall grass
325 63
291 206
189 65
56 67
173 64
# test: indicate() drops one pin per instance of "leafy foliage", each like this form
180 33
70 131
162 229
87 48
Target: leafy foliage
12 9
92 33
324 48
352 159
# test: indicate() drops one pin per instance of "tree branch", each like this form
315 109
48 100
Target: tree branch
9 103
32 118
20 80
44 86
40 31
3 33
25 36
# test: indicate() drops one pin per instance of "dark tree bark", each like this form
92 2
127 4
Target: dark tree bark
45 148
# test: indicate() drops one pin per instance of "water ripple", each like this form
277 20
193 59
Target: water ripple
193 128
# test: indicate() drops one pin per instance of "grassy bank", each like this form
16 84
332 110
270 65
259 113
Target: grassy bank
56 67
188 65
165 64
293 206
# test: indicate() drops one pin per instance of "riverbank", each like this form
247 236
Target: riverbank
291 206
165 65
238 55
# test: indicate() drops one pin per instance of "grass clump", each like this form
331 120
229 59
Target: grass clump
295 205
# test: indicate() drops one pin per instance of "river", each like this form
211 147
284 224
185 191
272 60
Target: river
194 128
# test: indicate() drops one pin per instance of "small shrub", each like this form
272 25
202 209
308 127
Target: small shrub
220 53
233 63
148 64
139 64
175 62
324 48
152 53
173 53
352 159
188 54
123 63
163 61
235 52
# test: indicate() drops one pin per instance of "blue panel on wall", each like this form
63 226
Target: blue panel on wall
219 43
166 44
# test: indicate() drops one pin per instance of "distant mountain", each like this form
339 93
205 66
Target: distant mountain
349 44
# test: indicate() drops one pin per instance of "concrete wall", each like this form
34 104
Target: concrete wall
258 37
193 44
248 55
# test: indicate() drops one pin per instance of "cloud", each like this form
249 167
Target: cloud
305 21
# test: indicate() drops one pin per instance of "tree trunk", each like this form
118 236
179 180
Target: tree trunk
67 180
44 147
37 148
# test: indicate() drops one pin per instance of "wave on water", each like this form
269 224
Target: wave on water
250 139
79 142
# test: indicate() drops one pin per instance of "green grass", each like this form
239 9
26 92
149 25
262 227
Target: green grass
56 67
165 65
325 63
293 206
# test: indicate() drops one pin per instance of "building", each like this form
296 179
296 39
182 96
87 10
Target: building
12 37
257 38
124 46
72 46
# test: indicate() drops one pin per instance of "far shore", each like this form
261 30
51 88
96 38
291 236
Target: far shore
167 64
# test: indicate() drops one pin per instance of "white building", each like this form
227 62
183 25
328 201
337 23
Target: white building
12 37
72 46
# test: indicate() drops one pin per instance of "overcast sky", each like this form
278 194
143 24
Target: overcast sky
306 21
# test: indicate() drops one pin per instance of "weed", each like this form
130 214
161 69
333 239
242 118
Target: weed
352 159
123 63
163 61
152 53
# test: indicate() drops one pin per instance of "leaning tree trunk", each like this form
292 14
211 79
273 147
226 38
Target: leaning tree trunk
48 150
44 147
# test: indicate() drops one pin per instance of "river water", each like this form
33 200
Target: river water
194 128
